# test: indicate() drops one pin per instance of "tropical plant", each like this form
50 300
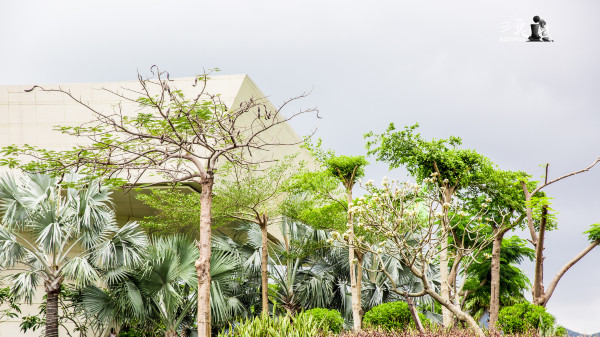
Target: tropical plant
302 282
60 233
513 282
161 293
301 325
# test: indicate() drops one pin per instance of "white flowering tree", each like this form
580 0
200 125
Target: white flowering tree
412 221
465 175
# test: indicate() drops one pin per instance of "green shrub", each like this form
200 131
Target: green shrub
523 317
391 316
560 331
332 319
279 326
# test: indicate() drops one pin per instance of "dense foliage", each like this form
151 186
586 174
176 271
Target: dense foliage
391 316
301 325
431 333
332 319
523 317
513 282
440 243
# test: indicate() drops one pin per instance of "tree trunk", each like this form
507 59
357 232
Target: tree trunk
353 277
203 263
538 280
52 293
447 317
264 264
495 279
414 314
170 333
359 272
445 286
453 309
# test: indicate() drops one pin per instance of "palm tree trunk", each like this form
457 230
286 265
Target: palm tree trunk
264 264
170 333
203 263
52 311
495 279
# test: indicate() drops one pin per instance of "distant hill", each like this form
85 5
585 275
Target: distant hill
572 333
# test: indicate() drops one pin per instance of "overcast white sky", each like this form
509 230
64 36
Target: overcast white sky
440 63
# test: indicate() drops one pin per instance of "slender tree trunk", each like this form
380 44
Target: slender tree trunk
445 286
203 263
52 293
447 317
495 279
263 264
414 314
353 277
359 273
538 280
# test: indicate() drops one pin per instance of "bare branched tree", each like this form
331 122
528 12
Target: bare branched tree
178 138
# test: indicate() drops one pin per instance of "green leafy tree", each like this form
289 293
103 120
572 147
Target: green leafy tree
251 194
347 170
461 174
179 138
60 234
541 218
176 212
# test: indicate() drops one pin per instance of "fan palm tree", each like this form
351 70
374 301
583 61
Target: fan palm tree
161 292
52 234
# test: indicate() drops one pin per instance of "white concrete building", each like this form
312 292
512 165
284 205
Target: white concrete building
29 118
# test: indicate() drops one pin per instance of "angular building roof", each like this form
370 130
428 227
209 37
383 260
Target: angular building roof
30 118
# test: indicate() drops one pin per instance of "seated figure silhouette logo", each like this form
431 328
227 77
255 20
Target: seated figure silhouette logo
540 32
